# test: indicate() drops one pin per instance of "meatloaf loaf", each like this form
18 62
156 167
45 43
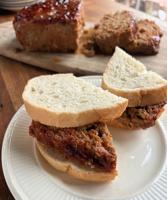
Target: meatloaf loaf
53 25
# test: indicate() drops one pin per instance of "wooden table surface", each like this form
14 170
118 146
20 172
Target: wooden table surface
14 75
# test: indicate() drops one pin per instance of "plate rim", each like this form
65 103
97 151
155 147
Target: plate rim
9 183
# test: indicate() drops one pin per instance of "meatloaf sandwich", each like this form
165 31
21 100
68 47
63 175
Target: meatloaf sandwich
145 90
68 124
51 25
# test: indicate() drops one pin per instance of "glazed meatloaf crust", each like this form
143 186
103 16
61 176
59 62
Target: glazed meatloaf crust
53 25
139 117
114 30
89 146
147 38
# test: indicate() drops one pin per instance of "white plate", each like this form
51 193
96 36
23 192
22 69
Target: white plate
141 165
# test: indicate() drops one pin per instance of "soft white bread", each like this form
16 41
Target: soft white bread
63 100
129 78
61 164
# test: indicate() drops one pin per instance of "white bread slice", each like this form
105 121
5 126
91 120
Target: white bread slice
129 78
63 100
57 162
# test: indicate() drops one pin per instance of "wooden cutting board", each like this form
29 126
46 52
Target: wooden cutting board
78 64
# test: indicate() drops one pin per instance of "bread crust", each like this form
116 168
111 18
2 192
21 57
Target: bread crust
50 118
74 170
140 97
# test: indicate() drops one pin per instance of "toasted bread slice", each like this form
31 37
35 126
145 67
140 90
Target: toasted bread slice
79 172
129 78
64 100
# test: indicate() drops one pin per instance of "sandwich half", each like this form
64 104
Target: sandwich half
68 123
145 90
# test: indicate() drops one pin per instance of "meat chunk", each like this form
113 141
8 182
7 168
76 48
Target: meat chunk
53 25
115 30
90 145
139 117
87 43
147 38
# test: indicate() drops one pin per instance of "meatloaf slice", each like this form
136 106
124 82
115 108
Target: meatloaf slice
139 117
89 146
147 38
53 25
114 30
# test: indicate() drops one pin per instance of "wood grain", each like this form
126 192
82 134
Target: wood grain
6 112
13 78
16 85
14 75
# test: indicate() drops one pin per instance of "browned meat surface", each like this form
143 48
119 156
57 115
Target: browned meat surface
53 25
121 29
139 117
89 145
114 30
147 38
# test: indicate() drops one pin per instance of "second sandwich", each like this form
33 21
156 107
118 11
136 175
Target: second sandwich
145 90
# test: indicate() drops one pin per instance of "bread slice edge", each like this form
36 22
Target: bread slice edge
140 97
64 119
